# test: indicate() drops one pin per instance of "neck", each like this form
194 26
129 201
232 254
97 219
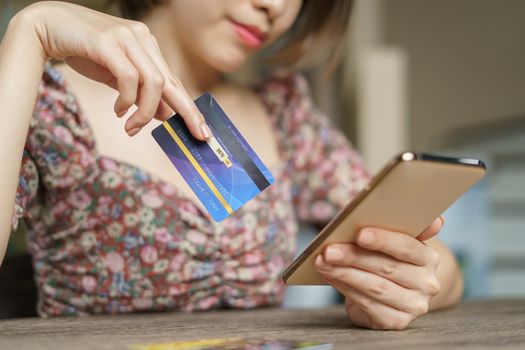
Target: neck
196 76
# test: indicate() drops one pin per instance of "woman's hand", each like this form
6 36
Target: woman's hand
387 278
119 53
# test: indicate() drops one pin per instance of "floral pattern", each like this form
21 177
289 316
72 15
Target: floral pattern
107 237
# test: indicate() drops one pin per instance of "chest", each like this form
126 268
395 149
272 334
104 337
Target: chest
96 101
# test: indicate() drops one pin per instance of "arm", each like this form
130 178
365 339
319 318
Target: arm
22 62
119 53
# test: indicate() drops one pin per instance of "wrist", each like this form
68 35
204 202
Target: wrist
24 26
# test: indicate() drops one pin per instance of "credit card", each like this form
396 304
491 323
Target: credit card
224 171
234 344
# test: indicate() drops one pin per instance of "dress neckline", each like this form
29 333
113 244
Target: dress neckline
276 171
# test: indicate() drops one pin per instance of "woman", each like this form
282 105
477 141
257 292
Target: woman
111 225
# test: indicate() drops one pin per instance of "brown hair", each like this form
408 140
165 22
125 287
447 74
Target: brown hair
314 37
136 9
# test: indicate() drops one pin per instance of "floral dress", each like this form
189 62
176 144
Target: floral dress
108 237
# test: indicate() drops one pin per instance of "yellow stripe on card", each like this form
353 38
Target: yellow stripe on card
197 166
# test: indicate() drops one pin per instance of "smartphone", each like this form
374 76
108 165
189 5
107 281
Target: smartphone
410 192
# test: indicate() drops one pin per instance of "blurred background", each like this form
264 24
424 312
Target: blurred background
434 76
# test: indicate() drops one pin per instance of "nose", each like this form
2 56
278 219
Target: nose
274 8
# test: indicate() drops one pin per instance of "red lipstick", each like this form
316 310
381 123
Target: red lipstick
251 36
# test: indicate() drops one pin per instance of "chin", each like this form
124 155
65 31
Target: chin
229 61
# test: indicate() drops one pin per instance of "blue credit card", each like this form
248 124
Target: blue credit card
224 171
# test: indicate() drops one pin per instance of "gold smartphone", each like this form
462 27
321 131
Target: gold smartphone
405 196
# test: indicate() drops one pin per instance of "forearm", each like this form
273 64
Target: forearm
449 275
22 60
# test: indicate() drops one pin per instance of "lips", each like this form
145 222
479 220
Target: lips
251 36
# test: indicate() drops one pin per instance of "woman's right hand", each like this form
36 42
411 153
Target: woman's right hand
119 53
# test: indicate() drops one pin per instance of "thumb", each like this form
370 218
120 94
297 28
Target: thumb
432 229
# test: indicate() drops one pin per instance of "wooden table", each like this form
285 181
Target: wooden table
475 324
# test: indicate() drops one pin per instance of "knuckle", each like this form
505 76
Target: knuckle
127 99
338 274
433 286
406 251
388 268
379 288
435 258
138 27
420 307
122 31
158 81
129 75
366 303
375 238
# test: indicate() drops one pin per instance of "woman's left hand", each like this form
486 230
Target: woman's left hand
388 278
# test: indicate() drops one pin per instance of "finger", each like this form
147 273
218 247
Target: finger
395 244
177 98
151 86
432 229
358 316
164 111
146 40
92 70
174 93
376 287
126 76
368 312
405 274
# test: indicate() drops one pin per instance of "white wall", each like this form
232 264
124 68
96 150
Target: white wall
467 62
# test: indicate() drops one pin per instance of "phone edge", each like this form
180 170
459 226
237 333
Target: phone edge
400 158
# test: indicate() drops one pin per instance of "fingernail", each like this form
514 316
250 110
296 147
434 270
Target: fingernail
205 131
133 132
120 114
366 237
319 260
334 253
322 265
442 220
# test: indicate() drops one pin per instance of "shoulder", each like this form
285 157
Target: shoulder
54 97
57 127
